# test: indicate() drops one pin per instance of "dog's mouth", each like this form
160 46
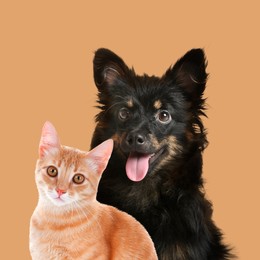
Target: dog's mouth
138 164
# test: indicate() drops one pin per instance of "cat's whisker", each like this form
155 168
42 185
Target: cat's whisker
79 211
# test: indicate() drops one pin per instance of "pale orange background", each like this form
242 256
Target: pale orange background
46 74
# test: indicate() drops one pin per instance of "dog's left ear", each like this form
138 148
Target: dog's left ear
189 72
109 69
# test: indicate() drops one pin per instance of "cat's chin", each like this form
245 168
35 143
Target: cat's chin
59 202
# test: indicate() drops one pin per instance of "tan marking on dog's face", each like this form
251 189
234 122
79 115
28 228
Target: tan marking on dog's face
118 138
157 104
130 102
174 145
173 148
155 142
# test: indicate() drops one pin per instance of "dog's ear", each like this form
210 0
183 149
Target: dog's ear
109 69
189 72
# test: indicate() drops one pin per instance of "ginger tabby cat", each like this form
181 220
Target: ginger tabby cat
68 222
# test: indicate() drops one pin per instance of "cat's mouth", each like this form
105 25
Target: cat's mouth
57 200
139 164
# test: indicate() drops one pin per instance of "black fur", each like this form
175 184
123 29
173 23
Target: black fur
161 116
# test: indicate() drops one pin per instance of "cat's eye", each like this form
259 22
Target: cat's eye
164 116
78 178
52 171
123 114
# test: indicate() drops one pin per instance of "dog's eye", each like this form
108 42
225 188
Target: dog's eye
123 114
164 116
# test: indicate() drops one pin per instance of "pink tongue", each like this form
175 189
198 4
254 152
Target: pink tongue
137 166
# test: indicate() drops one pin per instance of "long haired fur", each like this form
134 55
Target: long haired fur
155 171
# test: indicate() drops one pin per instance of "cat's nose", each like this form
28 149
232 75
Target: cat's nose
60 192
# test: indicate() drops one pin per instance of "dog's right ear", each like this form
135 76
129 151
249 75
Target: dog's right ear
109 69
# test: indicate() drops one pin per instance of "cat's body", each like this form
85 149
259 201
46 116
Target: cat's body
68 222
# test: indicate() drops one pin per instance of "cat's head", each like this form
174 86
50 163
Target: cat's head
66 176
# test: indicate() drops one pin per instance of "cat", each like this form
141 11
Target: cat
68 222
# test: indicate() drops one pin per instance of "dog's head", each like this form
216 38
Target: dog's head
153 120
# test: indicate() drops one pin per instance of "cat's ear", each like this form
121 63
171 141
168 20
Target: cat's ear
99 156
189 72
109 69
49 139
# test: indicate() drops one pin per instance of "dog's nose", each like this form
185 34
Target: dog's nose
135 140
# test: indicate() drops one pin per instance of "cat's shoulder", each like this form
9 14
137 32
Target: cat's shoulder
119 217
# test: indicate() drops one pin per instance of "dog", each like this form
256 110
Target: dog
155 171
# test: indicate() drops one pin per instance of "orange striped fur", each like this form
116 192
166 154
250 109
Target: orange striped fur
68 222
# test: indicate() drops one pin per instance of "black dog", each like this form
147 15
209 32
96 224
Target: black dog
155 170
